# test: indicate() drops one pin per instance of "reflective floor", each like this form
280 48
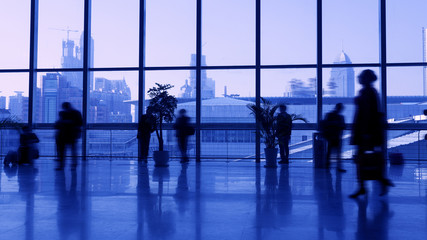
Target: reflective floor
122 199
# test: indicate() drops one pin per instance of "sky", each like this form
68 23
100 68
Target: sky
288 36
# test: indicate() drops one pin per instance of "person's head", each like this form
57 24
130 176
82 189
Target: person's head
367 77
182 112
66 105
282 108
26 128
339 107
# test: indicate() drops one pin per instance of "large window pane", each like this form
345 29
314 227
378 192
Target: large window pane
218 145
351 27
15 34
410 143
14 96
405 97
294 87
114 97
60 43
228 32
340 85
288 33
115 32
170 32
52 90
117 143
225 94
184 88
406 38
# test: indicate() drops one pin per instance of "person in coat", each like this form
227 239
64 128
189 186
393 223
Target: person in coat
368 128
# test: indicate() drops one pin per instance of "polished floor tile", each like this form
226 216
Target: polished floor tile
122 199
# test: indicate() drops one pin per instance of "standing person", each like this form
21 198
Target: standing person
368 127
333 129
145 128
284 129
183 130
68 132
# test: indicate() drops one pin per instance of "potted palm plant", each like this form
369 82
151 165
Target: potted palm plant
162 107
266 117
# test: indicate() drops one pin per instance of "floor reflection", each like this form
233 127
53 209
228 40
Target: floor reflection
205 201
330 213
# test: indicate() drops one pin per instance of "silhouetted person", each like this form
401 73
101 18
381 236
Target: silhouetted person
183 131
27 149
284 129
368 127
333 129
145 128
68 132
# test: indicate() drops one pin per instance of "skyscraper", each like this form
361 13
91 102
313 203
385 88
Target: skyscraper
341 82
18 106
72 57
50 97
2 102
208 84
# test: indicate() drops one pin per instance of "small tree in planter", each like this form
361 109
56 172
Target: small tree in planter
267 119
162 107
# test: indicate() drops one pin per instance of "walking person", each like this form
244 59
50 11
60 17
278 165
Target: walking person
284 129
183 131
145 128
68 132
368 130
333 129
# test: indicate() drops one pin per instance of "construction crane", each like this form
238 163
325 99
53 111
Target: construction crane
68 30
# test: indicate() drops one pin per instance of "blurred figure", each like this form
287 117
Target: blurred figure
333 128
145 128
27 148
68 132
183 130
368 128
284 129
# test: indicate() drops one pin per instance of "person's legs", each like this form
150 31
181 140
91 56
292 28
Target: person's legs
286 145
282 150
74 155
182 148
60 151
144 144
339 160
362 189
328 154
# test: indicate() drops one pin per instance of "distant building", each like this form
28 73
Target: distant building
108 102
18 106
207 84
341 82
50 97
2 102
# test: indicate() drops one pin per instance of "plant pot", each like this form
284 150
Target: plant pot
161 158
270 157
